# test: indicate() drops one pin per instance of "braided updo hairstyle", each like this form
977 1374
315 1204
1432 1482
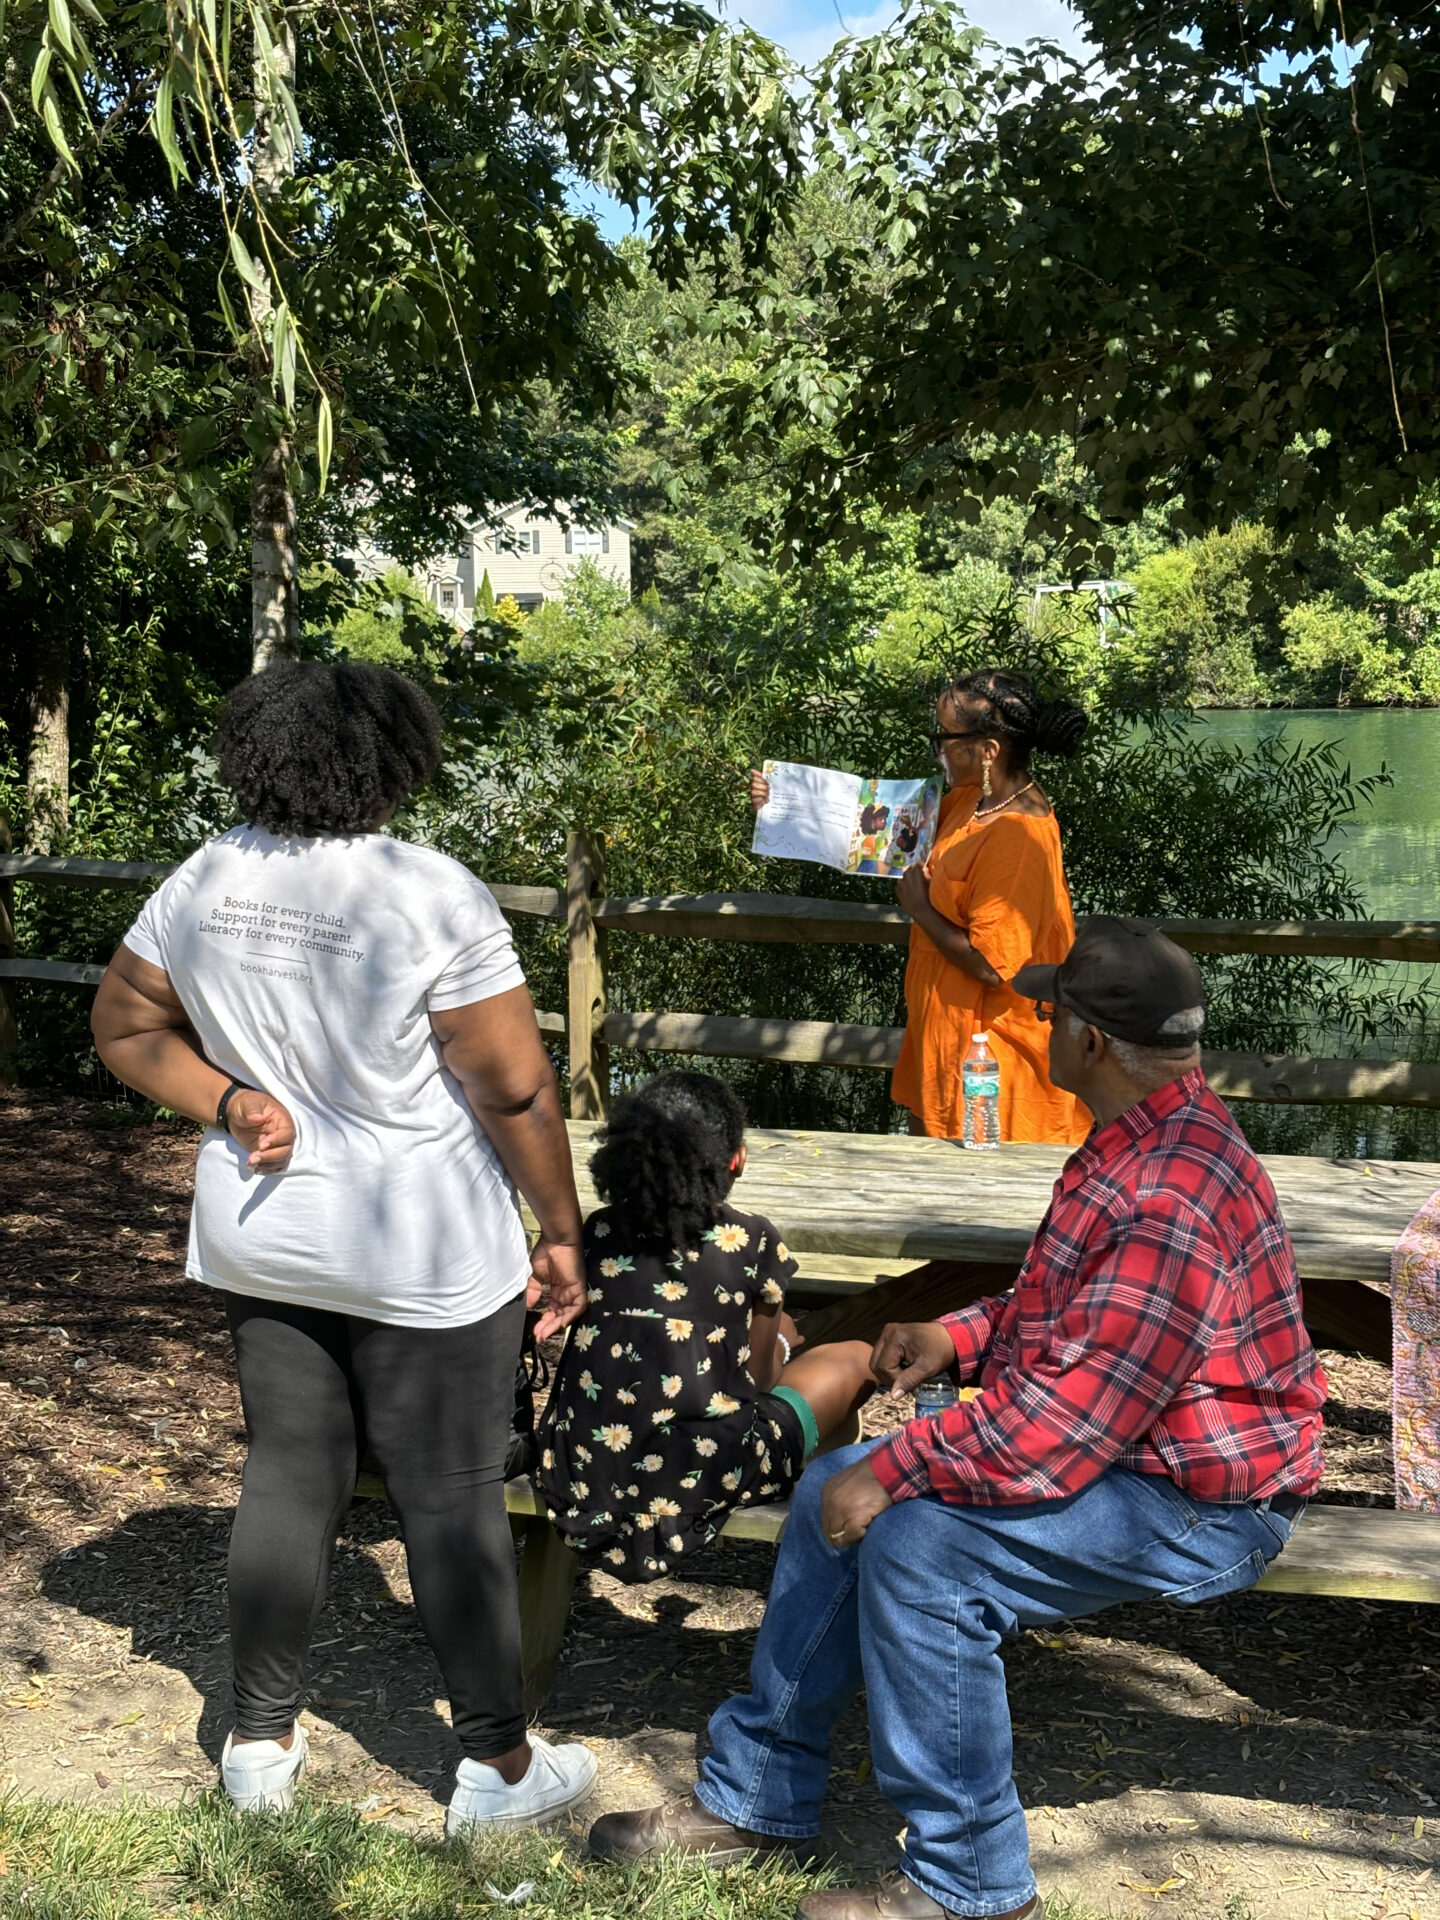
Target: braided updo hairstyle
664 1157
1010 706
312 748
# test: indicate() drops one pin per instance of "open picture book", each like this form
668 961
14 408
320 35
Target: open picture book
844 821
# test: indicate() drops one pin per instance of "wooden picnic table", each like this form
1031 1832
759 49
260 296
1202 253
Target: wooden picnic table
890 1196
865 1203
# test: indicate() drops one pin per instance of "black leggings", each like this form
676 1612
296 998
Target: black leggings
435 1406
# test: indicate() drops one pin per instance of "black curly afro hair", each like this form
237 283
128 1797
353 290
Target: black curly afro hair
1010 706
664 1157
309 748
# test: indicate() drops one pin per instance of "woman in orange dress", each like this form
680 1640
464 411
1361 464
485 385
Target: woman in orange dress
992 899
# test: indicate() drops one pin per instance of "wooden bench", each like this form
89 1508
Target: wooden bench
860 1207
1338 1553
1342 1553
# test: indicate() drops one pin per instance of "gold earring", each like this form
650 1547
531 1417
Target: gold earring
985 782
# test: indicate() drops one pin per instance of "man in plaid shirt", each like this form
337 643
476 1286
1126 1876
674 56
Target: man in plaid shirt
1155 1326
1147 1427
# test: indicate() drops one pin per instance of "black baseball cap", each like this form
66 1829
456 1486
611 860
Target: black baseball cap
1121 976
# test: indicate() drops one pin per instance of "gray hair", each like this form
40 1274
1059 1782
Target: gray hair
1180 1037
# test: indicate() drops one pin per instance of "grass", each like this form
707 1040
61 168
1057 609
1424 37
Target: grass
141 1861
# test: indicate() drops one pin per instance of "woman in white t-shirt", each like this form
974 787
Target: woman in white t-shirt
346 1015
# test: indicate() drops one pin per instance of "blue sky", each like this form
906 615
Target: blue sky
807 29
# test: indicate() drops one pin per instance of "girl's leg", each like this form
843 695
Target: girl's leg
299 1476
836 1381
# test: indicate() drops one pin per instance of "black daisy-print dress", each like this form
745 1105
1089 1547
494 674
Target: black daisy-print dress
654 1431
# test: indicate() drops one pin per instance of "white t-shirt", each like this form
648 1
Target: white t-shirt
309 968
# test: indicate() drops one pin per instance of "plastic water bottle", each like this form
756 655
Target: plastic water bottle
980 1081
934 1396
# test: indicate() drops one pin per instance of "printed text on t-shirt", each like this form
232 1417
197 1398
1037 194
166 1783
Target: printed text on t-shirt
270 927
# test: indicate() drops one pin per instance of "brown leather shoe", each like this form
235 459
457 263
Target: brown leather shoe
892 1897
685 1826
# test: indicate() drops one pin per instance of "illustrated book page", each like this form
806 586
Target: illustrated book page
894 826
840 820
810 815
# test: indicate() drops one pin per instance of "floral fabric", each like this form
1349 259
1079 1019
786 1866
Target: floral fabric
654 1431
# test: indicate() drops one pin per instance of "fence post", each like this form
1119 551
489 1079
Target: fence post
9 1025
585 943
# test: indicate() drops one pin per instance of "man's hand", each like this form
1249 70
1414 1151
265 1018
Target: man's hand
851 1500
759 791
910 1351
263 1128
557 1274
912 890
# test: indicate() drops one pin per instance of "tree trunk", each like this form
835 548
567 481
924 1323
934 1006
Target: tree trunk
274 570
47 771
9 1030
274 566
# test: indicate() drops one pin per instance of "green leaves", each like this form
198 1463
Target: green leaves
324 437
1389 80
163 121
245 264
425 231
283 349
1167 270
60 26
40 78
61 51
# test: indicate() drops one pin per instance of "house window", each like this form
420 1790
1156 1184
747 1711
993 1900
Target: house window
516 540
587 540
447 597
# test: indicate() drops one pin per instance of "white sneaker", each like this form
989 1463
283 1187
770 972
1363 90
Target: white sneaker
260 1775
558 1778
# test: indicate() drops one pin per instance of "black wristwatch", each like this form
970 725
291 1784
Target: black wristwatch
222 1111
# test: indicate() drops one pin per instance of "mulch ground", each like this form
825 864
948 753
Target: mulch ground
1281 1754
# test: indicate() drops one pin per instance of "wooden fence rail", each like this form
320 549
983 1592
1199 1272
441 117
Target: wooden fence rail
770 917
591 1028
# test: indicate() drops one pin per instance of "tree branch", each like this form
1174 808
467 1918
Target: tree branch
97 137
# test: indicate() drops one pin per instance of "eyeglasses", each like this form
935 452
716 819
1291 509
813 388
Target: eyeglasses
937 740
1044 1009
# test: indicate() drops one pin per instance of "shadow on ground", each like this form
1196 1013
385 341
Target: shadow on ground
1259 1698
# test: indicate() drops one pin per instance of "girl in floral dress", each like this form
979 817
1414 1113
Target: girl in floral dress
676 1399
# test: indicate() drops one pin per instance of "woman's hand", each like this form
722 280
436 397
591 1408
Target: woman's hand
263 1128
851 1500
557 1275
912 893
909 1352
759 791
912 890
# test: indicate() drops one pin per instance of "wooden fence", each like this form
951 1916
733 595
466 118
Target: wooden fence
592 1028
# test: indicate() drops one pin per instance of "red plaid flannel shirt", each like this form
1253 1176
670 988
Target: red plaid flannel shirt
1155 1325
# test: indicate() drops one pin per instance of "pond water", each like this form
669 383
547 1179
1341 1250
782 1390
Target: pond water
1391 847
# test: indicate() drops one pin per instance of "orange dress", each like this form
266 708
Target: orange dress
1003 881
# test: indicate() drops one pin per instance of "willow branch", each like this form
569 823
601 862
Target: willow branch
96 137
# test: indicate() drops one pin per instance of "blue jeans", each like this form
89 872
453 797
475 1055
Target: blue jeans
917 1612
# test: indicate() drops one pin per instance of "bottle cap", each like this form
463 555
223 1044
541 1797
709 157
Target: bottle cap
981 1036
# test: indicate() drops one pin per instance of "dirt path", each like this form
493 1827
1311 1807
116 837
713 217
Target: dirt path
1263 1755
